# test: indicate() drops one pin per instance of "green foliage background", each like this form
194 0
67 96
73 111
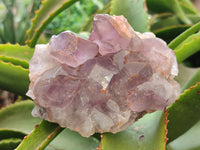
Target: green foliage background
175 21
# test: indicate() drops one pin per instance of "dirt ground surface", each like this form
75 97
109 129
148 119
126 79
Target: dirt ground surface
6 98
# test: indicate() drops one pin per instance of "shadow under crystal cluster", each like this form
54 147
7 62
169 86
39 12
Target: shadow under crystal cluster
104 83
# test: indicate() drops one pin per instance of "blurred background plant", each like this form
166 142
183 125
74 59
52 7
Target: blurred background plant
175 21
15 19
73 18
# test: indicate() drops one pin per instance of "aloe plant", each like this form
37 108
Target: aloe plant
176 128
15 20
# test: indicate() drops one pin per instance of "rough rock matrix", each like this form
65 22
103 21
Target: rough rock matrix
104 83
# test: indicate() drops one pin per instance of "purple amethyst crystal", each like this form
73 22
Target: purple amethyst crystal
103 84
71 49
111 33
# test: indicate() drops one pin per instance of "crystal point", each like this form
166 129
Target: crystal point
68 48
120 33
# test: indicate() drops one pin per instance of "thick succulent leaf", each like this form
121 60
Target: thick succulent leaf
7 133
16 54
48 10
188 7
188 47
184 113
194 18
193 80
134 11
43 134
147 133
170 32
160 6
16 51
18 117
14 67
165 22
178 40
9 144
170 20
40 137
187 141
185 75
13 78
71 140
168 26
14 61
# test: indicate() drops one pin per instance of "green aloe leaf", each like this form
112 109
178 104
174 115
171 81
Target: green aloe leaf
188 7
14 63
16 54
170 20
184 113
7 133
17 117
71 140
9 144
185 76
188 47
160 6
46 13
13 78
168 26
178 40
41 136
148 133
134 11
16 51
164 22
193 80
170 32
188 141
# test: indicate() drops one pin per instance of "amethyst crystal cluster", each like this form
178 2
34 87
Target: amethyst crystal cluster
104 83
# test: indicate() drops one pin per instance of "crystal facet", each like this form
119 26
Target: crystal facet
103 84
111 33
68 48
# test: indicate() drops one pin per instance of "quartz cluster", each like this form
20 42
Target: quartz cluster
104 83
